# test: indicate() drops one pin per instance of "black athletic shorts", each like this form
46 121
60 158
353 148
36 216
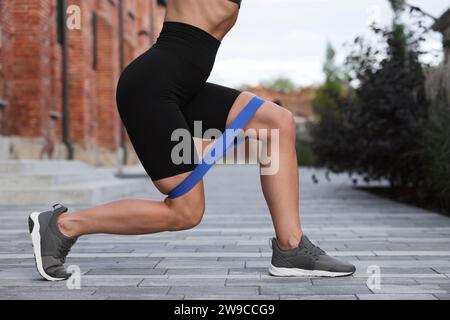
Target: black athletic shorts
165 89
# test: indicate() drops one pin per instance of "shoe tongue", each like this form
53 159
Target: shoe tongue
305 243
59 209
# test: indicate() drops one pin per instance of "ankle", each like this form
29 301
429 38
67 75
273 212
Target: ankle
66 226
290 243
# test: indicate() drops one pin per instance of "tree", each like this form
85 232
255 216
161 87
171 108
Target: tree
376 130
330 133
283 85
435 147
390 110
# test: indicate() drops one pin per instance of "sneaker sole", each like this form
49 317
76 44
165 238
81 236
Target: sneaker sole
35 227
294 272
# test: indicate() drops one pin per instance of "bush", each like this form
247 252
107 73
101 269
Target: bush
305 155
376 130
395 125
388 115
283 85
435 149
330 133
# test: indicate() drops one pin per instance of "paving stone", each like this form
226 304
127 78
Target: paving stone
125 271
243 271
189 271
410 289
300 289
131 290
90 281
318 297
215 290
144 297
405 296
193 283
231 297
227 256
269 281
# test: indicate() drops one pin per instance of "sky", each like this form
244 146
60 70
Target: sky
288 38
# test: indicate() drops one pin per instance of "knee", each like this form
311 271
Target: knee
188 215
284 120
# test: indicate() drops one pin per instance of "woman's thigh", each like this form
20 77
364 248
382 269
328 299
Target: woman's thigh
209 109
268 116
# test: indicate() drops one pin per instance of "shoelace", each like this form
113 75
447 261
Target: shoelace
311 248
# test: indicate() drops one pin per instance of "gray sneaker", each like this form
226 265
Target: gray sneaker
307 260
50 246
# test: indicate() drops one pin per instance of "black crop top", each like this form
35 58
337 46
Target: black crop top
237 1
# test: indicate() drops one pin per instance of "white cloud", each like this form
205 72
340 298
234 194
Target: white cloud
288 37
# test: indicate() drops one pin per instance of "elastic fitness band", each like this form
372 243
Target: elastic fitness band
226 141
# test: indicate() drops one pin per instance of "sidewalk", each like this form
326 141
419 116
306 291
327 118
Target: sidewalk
227 256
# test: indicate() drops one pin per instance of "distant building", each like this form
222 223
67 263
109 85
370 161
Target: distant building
68 104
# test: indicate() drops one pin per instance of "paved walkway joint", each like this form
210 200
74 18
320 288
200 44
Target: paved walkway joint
227 256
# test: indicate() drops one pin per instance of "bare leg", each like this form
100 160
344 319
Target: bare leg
281 190
135 216
145 216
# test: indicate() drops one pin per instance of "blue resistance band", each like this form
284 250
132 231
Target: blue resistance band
219 149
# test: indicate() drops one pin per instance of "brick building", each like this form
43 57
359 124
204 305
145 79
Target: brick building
58 81
298 101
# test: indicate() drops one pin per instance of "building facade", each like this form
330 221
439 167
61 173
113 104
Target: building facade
60 61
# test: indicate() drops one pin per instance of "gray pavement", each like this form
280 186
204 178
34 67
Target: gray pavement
227 256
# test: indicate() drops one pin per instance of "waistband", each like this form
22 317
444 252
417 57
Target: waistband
186 34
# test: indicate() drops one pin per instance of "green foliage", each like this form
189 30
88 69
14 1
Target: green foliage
283 85
376 130
395 125
436 160
330 133
435 148
305 155
328 95
388 116
397 5
332 72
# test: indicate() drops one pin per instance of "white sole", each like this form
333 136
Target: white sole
36 241
294 272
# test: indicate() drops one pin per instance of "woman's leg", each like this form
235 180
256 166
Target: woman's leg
134 216
281 190
145 216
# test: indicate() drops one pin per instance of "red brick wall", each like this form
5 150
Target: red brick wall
3 29
26 65
107 77
81 76
31 71
298 101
